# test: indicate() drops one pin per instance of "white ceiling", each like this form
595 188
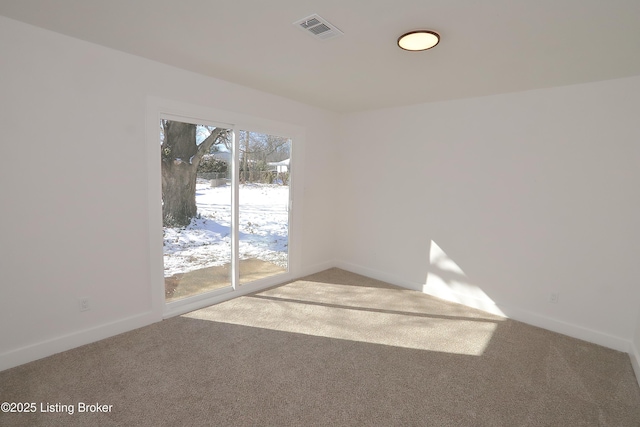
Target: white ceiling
487 47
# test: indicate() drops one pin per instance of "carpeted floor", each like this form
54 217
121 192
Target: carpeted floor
332 349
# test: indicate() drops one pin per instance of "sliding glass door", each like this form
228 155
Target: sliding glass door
263 202
225 207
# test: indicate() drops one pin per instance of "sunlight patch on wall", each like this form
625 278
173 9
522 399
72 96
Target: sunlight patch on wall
446 280
438 258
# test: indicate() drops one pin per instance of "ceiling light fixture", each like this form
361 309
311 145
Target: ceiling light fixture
418 40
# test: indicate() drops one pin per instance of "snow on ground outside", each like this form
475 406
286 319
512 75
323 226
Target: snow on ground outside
206 242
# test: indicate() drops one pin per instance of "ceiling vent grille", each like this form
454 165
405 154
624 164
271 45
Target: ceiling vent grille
318 27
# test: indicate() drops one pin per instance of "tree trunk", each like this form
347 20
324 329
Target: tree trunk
180 159
178 193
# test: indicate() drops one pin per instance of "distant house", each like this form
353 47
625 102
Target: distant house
280 167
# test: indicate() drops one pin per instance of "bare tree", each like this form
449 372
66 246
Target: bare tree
257 149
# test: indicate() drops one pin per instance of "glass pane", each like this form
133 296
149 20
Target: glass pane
263 205
196 208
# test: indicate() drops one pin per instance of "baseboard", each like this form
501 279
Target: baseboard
634 355
565 328
66 342
515 313
316 268
378 275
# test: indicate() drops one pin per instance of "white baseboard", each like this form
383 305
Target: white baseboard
378 275
634 355
316 268
569 329
515 313
62 343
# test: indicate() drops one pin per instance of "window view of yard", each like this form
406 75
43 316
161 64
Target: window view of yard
197 207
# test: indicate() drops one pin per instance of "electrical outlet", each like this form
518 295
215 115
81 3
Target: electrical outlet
553 297
83 303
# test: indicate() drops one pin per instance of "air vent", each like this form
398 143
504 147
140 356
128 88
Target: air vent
318 27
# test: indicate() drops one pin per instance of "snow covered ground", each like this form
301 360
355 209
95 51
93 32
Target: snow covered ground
206 242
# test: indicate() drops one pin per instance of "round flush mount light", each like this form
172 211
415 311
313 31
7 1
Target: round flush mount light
418 40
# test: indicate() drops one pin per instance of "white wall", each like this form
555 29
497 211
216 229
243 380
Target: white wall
74 184
528 194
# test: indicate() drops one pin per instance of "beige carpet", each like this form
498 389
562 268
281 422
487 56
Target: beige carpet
332 349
